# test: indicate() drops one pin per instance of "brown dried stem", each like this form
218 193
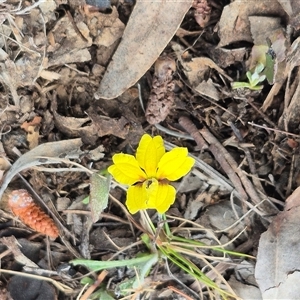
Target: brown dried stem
219 155
225 154
242 184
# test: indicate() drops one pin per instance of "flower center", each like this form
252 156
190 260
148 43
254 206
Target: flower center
150 185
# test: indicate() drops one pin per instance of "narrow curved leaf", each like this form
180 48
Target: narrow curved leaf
52 150
151 26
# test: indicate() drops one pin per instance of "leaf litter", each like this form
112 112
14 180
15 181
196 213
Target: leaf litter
69 102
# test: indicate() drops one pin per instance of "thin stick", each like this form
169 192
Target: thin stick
27 9
265 117
170 287
251 164
92 288
62 287
188 125
273 129
222 153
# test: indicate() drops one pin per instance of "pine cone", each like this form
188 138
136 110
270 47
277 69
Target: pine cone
202 12
23 206
162 94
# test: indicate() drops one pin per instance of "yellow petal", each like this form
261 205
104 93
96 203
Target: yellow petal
126 169
149 153
174 164
161 197
136 198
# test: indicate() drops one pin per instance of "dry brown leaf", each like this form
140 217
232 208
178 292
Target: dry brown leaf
13 245
105 126
290 116
67 45
69 125
196 69
101 125
32 129
242 281
292 8
47 7
99 192
277 268
20 73
49 75
262 27
6 31
105 28
32 158
208 89
225 57
35 122
234 23
149 29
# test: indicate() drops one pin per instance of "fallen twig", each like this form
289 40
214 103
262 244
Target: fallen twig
188 125
238 178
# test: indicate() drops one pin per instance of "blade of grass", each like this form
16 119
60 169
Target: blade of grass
191 269
97 265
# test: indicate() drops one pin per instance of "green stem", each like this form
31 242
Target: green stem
187 243
191 269
166 225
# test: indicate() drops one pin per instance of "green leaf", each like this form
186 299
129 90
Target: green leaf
249 76
240 85
256 88
87 280
125 286
269 69
86 200
99 192
190 268
259 68
142 270
101 295
96 265
256 80
146 239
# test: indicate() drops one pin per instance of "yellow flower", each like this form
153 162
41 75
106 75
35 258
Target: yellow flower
149 173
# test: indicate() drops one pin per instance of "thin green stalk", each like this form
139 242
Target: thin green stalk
191 269
185 243
166 225
192 253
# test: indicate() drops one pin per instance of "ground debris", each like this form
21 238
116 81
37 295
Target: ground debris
162 94
57 57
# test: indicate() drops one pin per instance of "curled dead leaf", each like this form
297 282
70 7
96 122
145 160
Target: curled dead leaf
277 267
